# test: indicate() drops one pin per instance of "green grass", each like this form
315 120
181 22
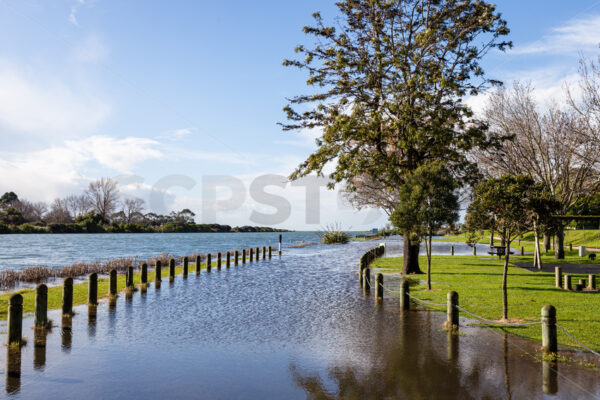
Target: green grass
80 291
478 283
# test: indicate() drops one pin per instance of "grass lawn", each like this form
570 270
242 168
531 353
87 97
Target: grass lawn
80 291
478 283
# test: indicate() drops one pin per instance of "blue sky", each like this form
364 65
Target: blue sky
165 97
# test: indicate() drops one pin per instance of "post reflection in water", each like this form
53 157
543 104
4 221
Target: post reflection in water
452 346
92 319
67 333
550 377
112 315
13 369
39 348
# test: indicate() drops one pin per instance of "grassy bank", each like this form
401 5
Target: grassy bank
478 283
80 291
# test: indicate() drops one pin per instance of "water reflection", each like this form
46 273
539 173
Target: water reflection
550 377
13 369
112 315
39 348
67 333
92 320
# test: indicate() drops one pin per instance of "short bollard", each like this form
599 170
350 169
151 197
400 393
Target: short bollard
474 250
549 342
570 246
129 279
451 250
208 262
171 269
41 306
158 272
379 283
258 254
264 252
219 261
243 256
452 320
112 283
67 301
236 256
280 242
228 259
185 267
93 289
15 320
558 278
592 282
270 251
567 282
367 279
198 264
580 285
251 254
144 274
404 298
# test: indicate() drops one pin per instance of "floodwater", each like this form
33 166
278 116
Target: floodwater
293 327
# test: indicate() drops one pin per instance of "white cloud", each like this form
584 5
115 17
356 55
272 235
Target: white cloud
57 171
91 50
176 134
44 108
74 11
582 34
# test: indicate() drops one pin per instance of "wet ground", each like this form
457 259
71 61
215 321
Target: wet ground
291 327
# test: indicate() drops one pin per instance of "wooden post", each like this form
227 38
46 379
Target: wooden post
570 246
451 250
243 256
144 274
219 261
67 301
185 267
549 342
558 277
258 254
15 319
208 262
270 251
236 256
404 298
171 270
158 272
129 278
41 306
567 282
112 282
280 240
580 285
367 279
474 249
452 320
228 259
264 249
379 283
522 251
592 282
251 254
93 289
198 264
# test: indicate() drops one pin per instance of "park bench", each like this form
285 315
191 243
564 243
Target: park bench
498 251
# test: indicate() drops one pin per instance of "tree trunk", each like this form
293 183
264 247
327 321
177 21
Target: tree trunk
559 249
492 237
502 239
504 279
428 247
537 258
546 242
411 258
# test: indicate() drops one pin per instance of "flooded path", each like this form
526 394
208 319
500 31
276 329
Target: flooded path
293 327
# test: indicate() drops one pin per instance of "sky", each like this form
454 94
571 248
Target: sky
179 101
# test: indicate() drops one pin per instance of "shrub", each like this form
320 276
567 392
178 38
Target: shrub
334 237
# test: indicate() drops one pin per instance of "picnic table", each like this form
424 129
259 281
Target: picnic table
498 251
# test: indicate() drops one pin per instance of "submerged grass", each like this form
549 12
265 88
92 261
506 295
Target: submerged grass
478 283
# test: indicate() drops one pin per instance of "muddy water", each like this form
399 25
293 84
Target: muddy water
286 328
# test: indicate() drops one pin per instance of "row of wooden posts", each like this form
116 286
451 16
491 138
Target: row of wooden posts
548 320
15 307
564 281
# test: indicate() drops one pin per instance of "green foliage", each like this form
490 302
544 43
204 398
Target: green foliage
334 237
7 199
427 200
388 101
12 216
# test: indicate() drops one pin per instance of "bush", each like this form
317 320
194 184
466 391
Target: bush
334 237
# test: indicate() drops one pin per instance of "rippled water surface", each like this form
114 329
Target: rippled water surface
291 327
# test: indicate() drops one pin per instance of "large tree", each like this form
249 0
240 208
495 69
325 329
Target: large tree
554 145
428 200
103 195
388 82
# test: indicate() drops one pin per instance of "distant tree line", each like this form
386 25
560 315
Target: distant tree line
99 209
